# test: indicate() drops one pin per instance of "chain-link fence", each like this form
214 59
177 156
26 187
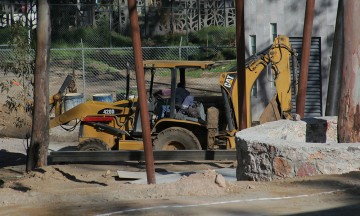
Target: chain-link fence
91 41
103 70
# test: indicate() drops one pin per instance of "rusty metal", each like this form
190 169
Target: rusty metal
349 110
334 86
140 80
37 152
304 70
240 53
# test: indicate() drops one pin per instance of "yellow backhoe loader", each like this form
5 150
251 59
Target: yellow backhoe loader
111 126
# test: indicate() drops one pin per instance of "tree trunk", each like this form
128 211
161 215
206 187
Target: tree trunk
37 152
349 111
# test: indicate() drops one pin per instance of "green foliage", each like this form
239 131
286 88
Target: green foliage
218 35
96 36
20 64
97 67
229 53
209 39
119 40
4 35
164 40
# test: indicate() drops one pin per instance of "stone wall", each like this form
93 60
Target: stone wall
286 149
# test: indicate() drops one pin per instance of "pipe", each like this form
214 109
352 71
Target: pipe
304 70
140 80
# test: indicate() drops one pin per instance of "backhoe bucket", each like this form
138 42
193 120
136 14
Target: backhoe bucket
271 112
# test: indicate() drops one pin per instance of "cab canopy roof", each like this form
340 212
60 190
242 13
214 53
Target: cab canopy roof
177 64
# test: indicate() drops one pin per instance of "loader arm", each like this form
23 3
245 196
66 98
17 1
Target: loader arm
278 57
92 108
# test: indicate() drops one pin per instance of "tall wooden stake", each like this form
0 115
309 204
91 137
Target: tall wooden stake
240 59
37 152
349 110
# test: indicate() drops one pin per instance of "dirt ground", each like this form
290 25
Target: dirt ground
90 189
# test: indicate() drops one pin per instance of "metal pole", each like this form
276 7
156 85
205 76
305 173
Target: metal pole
240 53
334 86
180 48
127 80
140 80
173 92
349 109
83 68
308 24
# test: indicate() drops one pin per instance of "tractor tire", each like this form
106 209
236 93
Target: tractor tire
93 145
176 138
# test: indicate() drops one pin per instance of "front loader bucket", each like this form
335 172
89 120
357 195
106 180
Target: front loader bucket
271 112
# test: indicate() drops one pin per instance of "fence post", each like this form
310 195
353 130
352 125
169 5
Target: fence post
180 47
83 67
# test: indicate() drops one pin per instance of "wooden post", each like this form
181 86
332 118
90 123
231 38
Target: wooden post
240 59
349 110
37 152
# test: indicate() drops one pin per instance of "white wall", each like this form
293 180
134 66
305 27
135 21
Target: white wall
289 16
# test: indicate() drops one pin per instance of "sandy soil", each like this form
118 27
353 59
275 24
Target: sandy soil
90 189
82 188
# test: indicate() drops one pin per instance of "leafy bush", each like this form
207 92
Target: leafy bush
4 35
20 64
119 40
214 35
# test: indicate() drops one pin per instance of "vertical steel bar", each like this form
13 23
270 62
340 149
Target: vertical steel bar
240 53
173 92
128 80
349 110
305 57
140 80
83 69
334 86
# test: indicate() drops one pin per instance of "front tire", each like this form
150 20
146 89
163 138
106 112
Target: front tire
93 145
176 138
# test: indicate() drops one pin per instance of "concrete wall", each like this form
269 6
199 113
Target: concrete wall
289 16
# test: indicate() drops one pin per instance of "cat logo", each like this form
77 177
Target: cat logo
228 81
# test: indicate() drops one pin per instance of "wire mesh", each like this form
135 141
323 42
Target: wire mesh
103 70
92 41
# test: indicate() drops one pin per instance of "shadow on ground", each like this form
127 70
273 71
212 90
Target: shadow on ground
11 158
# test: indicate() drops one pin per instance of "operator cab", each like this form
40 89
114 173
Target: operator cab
164 104
177 97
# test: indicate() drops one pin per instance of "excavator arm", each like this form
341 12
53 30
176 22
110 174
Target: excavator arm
278 57
95 109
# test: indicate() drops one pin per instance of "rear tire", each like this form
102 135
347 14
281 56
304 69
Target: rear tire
93 145
176 138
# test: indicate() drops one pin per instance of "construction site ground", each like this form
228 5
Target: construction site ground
88 189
